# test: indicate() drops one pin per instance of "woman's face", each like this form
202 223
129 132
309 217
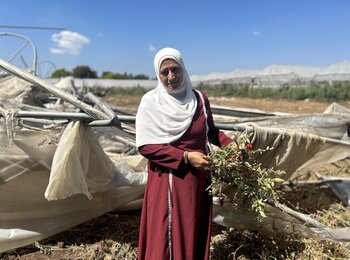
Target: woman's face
171 74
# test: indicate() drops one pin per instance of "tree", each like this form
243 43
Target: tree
140 76
61 73
107 75
84 72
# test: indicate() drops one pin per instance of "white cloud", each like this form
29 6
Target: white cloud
57 51
256 33
151 47
68 42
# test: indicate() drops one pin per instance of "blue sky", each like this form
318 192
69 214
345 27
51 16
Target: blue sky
213 36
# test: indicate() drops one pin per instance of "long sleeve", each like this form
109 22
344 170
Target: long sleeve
163 154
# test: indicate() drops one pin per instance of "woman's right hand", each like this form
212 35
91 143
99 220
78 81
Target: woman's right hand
198 161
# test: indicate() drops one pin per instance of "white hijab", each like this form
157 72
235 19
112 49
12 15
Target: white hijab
164 115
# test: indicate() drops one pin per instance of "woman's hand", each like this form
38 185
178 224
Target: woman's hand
198 161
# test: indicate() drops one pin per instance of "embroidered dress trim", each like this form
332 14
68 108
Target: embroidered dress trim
170 189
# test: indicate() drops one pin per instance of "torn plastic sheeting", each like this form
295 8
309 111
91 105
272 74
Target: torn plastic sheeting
334 123
26 215
341 189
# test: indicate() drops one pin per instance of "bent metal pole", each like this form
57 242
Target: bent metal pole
94 113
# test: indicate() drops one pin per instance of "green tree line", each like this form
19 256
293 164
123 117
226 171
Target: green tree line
323 91
83 71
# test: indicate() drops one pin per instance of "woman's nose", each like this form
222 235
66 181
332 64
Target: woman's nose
171 74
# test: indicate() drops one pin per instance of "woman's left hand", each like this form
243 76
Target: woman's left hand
198 161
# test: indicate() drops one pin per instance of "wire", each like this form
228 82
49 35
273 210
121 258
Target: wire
33 27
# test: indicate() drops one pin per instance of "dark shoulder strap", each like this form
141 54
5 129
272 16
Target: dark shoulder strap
206 119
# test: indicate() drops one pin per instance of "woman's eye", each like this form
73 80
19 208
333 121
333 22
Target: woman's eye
165 73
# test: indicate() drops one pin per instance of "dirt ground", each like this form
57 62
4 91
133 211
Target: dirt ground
101 238
267 105
278 105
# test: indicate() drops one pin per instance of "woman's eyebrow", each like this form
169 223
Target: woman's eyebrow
171 68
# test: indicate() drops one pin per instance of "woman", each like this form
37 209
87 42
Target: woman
172 129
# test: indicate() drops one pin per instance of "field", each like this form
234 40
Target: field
114 235
268 105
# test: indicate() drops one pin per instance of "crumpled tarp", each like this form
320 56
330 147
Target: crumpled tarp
290 150
26 215
340 187
333 123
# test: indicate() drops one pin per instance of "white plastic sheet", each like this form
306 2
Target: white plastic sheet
26 215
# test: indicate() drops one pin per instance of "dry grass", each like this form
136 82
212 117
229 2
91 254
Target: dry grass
111 236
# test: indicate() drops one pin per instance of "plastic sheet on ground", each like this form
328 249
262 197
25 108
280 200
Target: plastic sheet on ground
333 123
90 183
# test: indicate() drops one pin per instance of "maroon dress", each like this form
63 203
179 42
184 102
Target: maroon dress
177 211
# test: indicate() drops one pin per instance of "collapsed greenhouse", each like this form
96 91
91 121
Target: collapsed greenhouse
67 157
